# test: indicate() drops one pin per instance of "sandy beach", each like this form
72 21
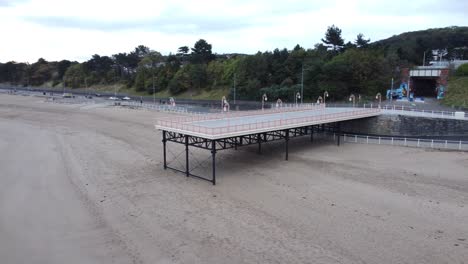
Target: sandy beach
85 184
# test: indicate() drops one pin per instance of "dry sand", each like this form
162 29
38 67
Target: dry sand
85 184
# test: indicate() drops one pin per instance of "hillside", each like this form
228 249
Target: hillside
412 45
457 94
338 68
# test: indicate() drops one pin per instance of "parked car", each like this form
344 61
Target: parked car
67 95
114 98
126 98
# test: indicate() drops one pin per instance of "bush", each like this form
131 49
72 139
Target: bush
462 70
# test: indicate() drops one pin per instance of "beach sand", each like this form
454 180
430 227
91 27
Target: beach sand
85 184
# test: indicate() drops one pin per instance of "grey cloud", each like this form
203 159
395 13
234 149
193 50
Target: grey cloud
174 24
434 8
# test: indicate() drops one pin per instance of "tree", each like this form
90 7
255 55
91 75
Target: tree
148 65
141 51
40 72
360 41
333 38
183 50
201 52
75 76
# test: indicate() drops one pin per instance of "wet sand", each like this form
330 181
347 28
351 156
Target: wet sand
85 184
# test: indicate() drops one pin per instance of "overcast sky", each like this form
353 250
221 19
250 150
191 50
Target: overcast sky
77 29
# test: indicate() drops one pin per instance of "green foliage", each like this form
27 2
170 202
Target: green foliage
462 70
457 92
412 45
201 52
75 76
181 81
334 66
360 41
333 38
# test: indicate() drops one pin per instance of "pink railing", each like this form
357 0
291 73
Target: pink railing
184 124
206 117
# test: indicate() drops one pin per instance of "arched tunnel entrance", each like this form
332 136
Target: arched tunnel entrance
424 86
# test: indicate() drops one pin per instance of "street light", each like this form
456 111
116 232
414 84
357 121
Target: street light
379 97
224 104
264 99
279 103
298 96
171 101
352 98
325 95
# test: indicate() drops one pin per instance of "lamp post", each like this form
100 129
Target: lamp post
154 91
352 98
325 95
279 103
264 99
298 96
172 101
224 104
391 92
379 97
302 81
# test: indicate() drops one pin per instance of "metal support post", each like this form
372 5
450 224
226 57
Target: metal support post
213 156
259 139
164 148
186 156
338 126
287 145
311 133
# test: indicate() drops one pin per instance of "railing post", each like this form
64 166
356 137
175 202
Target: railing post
186 155
164 148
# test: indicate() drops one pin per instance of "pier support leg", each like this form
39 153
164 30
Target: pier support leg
164 148
311 133
186 156
287 144
259 139
338 133
213 163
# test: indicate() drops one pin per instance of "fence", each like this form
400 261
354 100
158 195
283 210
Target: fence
407 110
407 142
189 123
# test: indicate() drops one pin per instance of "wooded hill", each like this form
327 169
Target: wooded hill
338 66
